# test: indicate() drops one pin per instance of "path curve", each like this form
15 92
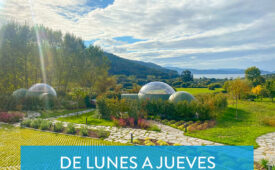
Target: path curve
266 149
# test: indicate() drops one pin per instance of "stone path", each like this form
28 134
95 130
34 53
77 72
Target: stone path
266 149
167 134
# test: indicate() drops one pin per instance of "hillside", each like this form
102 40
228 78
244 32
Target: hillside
139 69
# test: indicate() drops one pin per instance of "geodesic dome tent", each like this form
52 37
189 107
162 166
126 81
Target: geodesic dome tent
41 89
181 96
156 90
20 93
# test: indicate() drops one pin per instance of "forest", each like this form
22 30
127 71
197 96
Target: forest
30 55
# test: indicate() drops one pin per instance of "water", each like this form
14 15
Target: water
219 76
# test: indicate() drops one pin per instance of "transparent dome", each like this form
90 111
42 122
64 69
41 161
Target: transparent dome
181 96
155 90
20 93
41 88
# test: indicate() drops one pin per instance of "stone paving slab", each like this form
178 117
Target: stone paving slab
266 149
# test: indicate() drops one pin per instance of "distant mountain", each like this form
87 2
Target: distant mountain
139 69
214 71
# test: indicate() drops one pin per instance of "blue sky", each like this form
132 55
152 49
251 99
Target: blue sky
201 34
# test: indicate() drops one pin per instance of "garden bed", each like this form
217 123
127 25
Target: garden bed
45 125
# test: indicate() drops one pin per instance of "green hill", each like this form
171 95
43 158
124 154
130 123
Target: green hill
139 69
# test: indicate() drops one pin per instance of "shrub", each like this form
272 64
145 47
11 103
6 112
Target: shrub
58 127
84 131
71 128
45 125
131 121
122 122
142 123
36 123
148 142
11 117
162 143
26 123
101 133
264 163
137 141
269 122
177 144
154 128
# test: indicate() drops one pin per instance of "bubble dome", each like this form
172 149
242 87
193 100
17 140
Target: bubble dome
41 88
20 93
181 96
156 90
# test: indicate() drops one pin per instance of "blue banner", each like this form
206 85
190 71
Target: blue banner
137 157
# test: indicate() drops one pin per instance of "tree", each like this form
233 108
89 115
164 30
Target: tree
256 90
253 74
238 88
270 87
186 76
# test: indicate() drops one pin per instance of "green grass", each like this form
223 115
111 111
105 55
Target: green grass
241 131
92 120
12 138
195 91
54 113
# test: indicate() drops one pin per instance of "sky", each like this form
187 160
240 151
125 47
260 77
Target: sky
200 34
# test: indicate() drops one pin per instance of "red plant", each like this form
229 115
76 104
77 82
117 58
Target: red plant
122 122
131 121
142 123
10 117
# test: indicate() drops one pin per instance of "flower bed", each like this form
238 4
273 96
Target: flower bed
58 127
190 125
11 117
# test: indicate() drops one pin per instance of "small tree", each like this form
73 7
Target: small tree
257 90
186 76
238 88
252 73
270 87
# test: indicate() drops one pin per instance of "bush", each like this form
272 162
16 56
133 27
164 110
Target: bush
11 117
142 123
45 125
58 127
84 131
269 122
212 86
36 123
26 123
71 128
154 128
162 143
101 133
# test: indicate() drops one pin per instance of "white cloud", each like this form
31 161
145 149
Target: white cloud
171 28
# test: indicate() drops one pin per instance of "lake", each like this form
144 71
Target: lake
219 76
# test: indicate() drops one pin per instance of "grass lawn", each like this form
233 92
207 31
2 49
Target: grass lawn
81 119
195 91
245 129
54 113
12 138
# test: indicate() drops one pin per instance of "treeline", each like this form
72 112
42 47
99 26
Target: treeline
30 55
